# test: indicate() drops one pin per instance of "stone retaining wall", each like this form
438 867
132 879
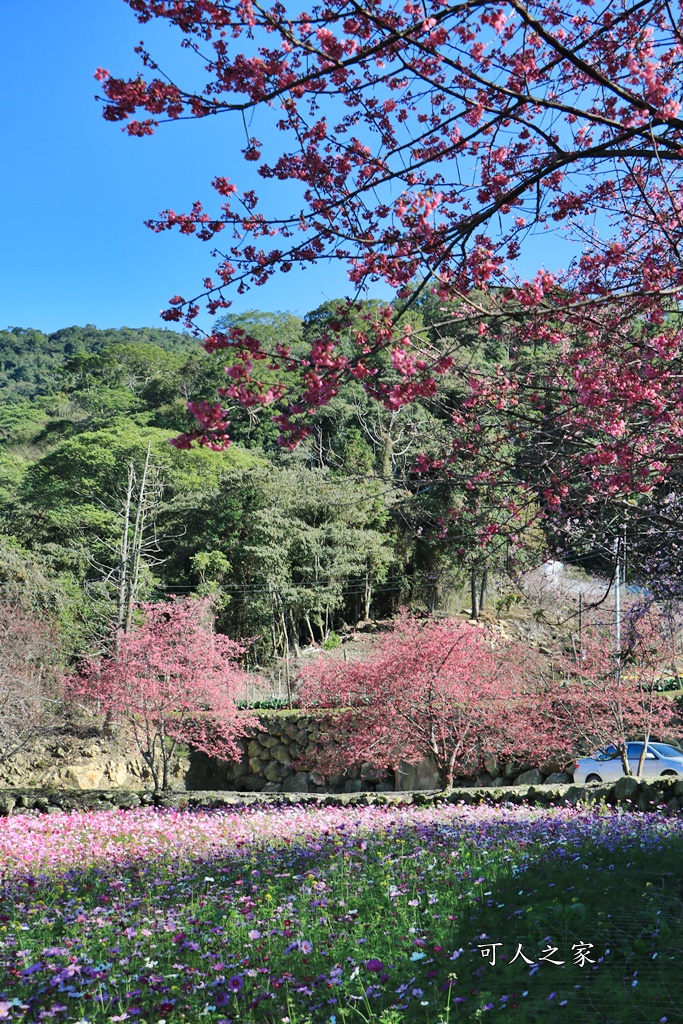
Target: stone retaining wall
271 753
268 765
629 794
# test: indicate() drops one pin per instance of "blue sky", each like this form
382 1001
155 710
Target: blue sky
76 190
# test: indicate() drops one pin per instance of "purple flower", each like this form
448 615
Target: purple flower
305 946
374 965
222 999
235 983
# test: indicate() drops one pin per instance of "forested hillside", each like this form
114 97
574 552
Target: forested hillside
98 510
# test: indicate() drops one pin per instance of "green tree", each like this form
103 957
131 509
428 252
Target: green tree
299 549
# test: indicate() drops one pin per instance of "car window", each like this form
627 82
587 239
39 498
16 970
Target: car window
634 751
606 754
666 751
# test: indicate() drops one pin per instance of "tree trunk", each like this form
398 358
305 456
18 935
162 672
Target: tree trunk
482 588
642 753
474 595
124 562
295 633
288 681
623 752
447 774
136 546
387 469
367 599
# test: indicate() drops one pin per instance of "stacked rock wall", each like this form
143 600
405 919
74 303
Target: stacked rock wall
268 765
269 762
270 755
663 795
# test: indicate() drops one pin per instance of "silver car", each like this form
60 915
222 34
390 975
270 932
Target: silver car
605 765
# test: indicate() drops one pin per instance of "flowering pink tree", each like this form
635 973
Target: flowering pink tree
424 147
173 680
431 687
604 697
427 142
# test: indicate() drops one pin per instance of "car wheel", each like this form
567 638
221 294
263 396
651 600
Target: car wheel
669 772
593 778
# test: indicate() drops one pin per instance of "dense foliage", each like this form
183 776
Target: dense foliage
432 149
98 511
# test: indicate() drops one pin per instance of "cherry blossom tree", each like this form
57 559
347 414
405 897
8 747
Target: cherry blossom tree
460 694
438 687
604 696
429 148
414 132
172 680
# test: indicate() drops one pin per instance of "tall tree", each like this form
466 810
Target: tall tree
297 550
138 511
425 148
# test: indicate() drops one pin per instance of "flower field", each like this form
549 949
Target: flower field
299 915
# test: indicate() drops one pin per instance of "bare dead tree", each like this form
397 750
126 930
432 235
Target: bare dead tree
135 544
393 434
